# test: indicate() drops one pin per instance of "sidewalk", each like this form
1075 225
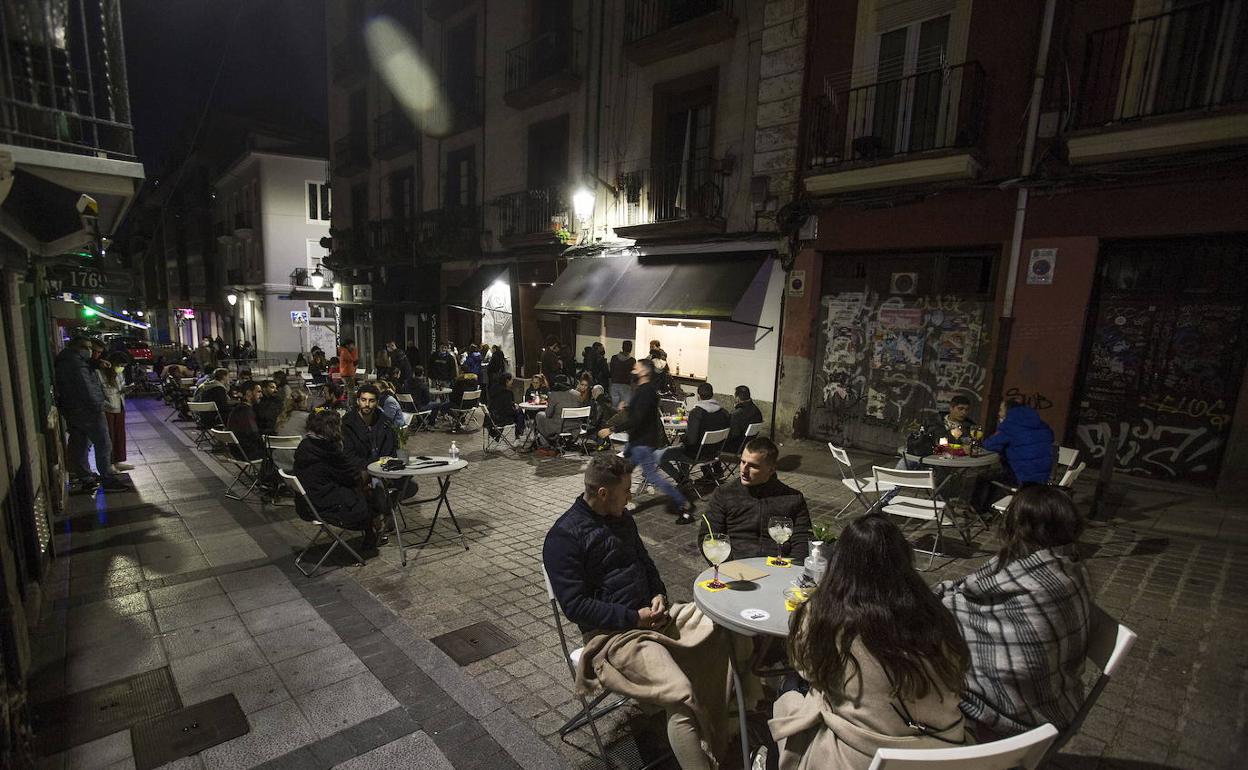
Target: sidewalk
340 668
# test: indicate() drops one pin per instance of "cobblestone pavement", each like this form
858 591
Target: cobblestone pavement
1180 700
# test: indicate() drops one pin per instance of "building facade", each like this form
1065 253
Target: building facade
646 150
1075 240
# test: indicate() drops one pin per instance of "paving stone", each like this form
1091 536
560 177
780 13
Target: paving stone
193 612
202 668
250 599
255 690
414 751
184 592
346 703
288 642
275 731
204 636
266 619
312 670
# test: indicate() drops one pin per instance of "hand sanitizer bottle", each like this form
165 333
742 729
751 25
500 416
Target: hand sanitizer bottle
454 453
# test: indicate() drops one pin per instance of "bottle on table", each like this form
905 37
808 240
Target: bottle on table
454 450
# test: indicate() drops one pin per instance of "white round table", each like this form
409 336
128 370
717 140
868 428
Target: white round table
439 467
531 411
982 460
439 391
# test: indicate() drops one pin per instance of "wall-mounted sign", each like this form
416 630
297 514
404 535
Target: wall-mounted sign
63 278
797 283
1040 268
298 318
186 313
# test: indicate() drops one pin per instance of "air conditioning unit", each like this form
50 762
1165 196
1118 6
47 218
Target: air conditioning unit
362 292
904 283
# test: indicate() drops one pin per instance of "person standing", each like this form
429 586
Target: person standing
621 374
348 360
551 365
645 436
400 361
114 413
80 396
444 369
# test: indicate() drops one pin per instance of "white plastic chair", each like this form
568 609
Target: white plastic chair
467 402
930 508
406 402
248 470
575 434
1068 480
206 416
1025 750
859 486
1067 457
282 450
296 487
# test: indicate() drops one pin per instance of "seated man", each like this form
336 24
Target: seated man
1025 442
242 421
955 424
743 508
331 480
269 407
744 414
707 415
216 391
367 435
550 423
635 645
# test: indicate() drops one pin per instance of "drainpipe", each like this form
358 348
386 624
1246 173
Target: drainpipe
1020 207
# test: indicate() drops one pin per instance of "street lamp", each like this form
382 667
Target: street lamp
231 298
317 278
140 314
98 299
583 204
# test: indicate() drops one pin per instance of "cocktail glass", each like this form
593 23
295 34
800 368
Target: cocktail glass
781 529
716 548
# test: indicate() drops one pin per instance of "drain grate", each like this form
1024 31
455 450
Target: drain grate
187 731
84 716
472 643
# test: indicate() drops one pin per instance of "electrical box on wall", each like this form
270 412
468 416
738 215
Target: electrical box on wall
903 283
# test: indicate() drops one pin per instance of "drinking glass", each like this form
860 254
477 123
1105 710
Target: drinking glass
781 529
715 547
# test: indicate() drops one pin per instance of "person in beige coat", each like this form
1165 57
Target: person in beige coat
884 660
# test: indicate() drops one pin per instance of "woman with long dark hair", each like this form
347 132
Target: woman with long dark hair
332 482
884 659
1025 615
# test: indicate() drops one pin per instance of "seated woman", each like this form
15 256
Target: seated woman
1025 616
465 383
884 660
502 404
389 405
293 419
331 480
538 390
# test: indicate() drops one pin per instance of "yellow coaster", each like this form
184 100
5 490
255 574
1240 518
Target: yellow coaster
774 562
706 584
789 605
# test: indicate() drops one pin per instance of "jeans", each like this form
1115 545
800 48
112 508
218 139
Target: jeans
647 458
620 393
90 430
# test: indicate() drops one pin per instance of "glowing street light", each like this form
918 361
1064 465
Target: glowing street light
231 298
583 204
98 299
317 278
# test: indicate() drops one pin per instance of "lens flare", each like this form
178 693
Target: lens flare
412 81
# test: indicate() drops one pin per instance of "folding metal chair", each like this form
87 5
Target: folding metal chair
859 486
311 516
280 451
248 470
1068 479
459 414
706 454
206 416
573 435
493 434
406 402
930 508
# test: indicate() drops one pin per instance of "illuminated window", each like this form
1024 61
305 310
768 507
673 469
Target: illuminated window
686 342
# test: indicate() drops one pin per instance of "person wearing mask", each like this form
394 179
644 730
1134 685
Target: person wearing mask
114 412
707 415
743 507
294 416
645 436
744 414
621 374
80 397
367 435
332 480
1030 603
269 407
348 360
884 660
242 421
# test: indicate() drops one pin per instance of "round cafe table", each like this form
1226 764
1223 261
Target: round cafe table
750 608
440 467
439 391
531 411
982 459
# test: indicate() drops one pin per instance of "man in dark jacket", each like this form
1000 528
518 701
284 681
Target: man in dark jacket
80 397
242 421
707 415
268 407
742 509
552 365
745 414
366 435
954 425
444 368
398 360
645 434
621 372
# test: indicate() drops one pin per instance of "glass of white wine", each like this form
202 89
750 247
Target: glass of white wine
781 529
716 548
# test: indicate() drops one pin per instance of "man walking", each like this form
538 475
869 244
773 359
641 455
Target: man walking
645 436
622 374
80 396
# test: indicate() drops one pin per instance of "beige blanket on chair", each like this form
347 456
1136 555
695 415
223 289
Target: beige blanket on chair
684 664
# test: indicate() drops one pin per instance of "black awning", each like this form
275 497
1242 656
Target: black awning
684 287
468 291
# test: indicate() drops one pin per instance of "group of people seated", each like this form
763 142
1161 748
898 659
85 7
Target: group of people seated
879 659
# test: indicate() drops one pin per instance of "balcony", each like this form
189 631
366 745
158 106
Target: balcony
1159 84
350 61
545 68
224 232
394 135
910 130
301 283
660 29
532 218
350 155
672 200
391 241
244 227
467 103
449 233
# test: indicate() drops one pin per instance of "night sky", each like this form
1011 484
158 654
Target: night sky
274 70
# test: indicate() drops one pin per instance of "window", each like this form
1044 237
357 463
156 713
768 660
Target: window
910 80
686 342
461 179
318 202
683 131
359 205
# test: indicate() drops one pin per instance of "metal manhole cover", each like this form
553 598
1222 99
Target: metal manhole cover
472 643
187 731
84 716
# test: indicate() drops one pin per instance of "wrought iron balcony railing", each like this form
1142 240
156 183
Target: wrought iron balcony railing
532 212
454 231
937 109
672 192
553 54
645 18
1194 57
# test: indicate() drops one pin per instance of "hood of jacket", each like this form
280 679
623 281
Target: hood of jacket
1024 417
710 405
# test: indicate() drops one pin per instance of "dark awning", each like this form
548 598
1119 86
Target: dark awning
697 287
467 293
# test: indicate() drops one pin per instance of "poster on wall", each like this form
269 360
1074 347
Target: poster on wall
496 320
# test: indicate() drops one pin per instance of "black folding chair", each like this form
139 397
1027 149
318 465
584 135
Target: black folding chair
310 515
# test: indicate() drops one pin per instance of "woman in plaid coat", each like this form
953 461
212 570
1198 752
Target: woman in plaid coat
1024 616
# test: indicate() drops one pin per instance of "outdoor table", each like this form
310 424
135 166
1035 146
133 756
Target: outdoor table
750 608
531 411
439 391
412 470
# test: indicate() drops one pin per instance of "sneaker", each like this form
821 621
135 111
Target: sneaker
114 484
119 467
685 515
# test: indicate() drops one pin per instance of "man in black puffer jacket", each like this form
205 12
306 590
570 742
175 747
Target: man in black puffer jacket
742 508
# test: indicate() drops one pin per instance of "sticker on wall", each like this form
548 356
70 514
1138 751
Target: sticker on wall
1040 268
797 283
875 404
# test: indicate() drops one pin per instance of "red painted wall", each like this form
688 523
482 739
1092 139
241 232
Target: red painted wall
801 314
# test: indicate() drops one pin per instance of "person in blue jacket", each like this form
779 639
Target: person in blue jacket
1025 443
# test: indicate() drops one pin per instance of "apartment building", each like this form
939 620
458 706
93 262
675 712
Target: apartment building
1075 240
609 171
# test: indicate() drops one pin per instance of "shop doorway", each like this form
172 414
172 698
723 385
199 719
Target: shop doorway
1164 356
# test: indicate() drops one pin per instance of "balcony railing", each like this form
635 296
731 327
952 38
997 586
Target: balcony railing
243 225
672 192
467 105
350 155
1194 57
546 67
301 278
645 18
449 232
350 61
395 135
532 212
66 96
939 109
